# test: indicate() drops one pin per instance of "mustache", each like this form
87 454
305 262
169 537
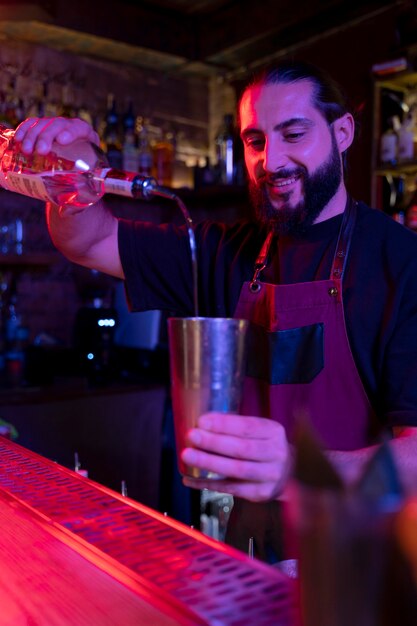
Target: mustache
277 176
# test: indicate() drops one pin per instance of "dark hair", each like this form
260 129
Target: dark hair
328 96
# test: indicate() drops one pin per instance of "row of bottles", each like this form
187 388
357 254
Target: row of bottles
49 102
228 168
129 146
132 145
132 142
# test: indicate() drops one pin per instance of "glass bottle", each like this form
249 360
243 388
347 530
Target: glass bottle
112 143
15 338
398 198
129 119
163 158
129 151
229 153
77 174
145 158
414 116
406 140
389 143
67 99
224 148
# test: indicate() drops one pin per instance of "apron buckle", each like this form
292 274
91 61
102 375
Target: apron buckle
254 284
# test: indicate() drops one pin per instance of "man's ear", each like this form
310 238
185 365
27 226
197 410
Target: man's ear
344 131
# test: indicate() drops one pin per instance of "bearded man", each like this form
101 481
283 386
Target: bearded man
328 284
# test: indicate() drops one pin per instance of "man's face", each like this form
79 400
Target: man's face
291 154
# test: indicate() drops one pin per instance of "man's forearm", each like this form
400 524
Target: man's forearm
87 237
351 464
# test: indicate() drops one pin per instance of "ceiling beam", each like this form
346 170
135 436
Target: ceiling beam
291 34
232 39
141 25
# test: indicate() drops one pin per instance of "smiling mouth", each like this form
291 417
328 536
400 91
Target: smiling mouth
282 183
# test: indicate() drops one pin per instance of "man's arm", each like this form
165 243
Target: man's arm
255 456
86 236
403 447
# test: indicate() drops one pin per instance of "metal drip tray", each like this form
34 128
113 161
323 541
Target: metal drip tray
182 567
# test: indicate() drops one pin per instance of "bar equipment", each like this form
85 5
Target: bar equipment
207 362
352 567
73 551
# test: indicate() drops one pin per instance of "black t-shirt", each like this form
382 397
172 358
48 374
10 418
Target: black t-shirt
379 287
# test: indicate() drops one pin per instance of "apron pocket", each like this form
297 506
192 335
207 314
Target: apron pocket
294 356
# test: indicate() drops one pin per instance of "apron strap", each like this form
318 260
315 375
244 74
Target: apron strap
261 263
344 240
340 256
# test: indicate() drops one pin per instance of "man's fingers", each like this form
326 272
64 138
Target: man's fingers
38 134
231 467
232 446
245 426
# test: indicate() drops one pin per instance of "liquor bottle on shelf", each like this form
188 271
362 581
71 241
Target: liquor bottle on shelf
406 139
398 195
163 158
77 174
129 119
225 140
229 153
16 337
145 159
414 115
130 151
389 142
112 143
84 114
204 174
67 107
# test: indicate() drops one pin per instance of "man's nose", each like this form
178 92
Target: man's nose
274 155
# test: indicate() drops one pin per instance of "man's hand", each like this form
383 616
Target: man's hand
38 134
251 452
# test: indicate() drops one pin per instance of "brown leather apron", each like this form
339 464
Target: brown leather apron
300 365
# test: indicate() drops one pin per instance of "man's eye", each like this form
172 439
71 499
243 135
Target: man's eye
294 136
255 144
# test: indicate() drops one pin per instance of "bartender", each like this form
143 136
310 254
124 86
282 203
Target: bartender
329 285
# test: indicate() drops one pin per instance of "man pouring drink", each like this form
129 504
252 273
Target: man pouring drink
327 284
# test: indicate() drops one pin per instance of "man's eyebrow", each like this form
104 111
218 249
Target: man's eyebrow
293 121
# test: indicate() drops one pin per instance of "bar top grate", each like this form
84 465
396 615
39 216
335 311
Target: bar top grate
221 585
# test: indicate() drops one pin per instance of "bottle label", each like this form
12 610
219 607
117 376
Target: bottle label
120 186
26 184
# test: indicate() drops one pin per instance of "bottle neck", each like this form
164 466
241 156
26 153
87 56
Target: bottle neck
128 184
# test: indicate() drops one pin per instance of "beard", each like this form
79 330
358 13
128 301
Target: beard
319 189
